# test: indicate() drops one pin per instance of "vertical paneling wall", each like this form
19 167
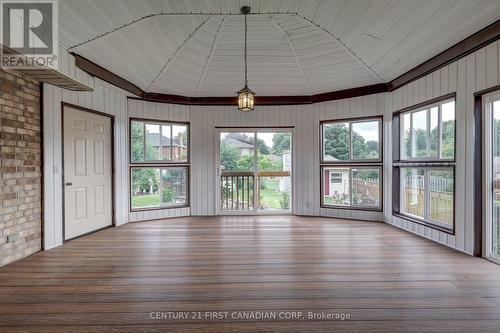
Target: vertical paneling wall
105 98
157 111
305 168
305 122
475 72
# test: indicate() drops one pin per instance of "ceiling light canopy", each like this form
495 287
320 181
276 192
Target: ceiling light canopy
246 97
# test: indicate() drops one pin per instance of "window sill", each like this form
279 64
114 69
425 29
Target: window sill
145 209
426 223
368 209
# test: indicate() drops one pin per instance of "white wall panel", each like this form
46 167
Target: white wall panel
475 72
105 98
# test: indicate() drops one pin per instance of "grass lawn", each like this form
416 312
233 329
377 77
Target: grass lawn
145 200
270 195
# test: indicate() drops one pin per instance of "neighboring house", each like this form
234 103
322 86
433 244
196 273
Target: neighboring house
336 181
286 182
178 145
243 147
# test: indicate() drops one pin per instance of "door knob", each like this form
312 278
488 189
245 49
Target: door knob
68 183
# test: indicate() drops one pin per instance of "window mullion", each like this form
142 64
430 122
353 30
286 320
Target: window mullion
350 142
428 136
144 142
351 175
411 136
440 132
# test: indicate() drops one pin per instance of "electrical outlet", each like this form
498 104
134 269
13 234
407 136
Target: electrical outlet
12 238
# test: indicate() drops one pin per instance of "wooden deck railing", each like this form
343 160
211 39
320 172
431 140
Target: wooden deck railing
237 191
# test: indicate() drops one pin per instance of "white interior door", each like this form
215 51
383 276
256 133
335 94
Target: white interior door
87 172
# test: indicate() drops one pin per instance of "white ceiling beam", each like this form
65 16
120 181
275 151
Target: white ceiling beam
163 14
285 34
209 58
341 44
179 49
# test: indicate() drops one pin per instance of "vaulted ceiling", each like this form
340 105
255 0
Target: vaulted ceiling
295 47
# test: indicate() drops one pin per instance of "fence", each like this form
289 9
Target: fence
440 197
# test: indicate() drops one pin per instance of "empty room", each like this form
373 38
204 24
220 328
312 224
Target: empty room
249 166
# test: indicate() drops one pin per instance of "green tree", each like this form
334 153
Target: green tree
336 144
229 157
281 142
262 147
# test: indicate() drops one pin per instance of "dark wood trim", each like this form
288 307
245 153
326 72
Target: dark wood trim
353 163
187 204
472 43
478 176
487 91
379 209
42 170
426 103
426 224
113 180
353 120
159 122
159 164
256 127
396 147
267 100
397 163
106 75
350 93
396 194
396 201
478 169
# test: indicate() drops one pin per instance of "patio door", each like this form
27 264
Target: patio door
491 183
255 171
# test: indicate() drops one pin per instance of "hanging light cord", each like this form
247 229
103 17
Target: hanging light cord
246 71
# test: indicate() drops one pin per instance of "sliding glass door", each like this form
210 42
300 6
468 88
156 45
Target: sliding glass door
255 169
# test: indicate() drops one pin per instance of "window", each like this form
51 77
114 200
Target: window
159 165
429 133
336 177
351 163
424 163
158 142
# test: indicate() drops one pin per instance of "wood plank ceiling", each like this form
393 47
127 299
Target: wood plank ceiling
296 47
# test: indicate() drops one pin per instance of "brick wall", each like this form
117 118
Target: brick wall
20 167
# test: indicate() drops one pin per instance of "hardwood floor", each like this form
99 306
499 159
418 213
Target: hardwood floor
385 279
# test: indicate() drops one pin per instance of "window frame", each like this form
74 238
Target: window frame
428 163
160 164
352 121
423 220
160 123
353 163
427 107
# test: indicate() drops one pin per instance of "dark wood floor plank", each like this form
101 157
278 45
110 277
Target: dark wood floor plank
385 279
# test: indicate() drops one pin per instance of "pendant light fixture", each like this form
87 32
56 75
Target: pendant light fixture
245 95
